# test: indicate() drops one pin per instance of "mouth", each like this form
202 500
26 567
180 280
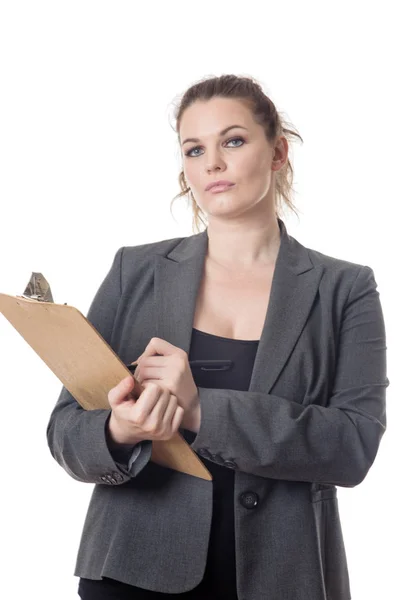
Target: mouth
220 182
221 187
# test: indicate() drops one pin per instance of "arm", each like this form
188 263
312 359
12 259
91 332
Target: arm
271 436
123 454
77 438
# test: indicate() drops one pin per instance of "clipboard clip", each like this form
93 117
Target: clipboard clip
38 288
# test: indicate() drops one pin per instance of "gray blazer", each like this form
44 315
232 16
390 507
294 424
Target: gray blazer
312 419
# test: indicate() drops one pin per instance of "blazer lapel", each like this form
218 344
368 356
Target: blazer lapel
294 286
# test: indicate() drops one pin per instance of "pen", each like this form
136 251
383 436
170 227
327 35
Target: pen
204 365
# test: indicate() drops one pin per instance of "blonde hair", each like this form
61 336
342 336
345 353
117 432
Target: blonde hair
249 91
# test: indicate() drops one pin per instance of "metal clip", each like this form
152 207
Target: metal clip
38 289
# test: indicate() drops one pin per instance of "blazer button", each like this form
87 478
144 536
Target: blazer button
249 499
204 452
218 459
117 476
111 479
230 464
104 478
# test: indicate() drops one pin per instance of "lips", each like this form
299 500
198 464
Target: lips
217 189
222 183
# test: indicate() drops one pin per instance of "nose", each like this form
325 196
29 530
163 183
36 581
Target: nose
215 164
214 161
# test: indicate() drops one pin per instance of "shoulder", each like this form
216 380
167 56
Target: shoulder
304 257
143 251
341 273
138 261
329 263
333 263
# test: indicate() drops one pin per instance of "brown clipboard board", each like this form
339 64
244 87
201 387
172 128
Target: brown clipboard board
87 366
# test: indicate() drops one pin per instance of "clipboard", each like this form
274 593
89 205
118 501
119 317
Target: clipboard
87 366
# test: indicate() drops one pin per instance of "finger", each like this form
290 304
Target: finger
160 416
160 347
177 418
153 361
153 373
118 393
159 382
165 413
146 403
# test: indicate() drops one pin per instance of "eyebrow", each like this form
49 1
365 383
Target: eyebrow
221 133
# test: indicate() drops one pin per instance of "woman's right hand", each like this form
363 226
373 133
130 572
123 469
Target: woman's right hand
155 415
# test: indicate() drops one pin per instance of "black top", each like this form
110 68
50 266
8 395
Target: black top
219 580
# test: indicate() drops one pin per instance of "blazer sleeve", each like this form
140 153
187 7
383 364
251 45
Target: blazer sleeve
77 438
271 436
124 454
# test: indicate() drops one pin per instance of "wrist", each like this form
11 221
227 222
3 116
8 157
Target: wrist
116 437
192 419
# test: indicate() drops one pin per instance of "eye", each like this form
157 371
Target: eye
190 155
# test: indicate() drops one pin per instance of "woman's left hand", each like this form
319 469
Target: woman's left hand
168 366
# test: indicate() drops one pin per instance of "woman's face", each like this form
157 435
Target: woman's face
241 155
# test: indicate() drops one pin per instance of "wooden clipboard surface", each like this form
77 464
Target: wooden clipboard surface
87 366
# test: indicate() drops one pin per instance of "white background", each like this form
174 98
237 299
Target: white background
89 163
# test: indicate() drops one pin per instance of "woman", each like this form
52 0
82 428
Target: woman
299 411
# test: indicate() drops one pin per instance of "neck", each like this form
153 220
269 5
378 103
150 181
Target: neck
236 247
